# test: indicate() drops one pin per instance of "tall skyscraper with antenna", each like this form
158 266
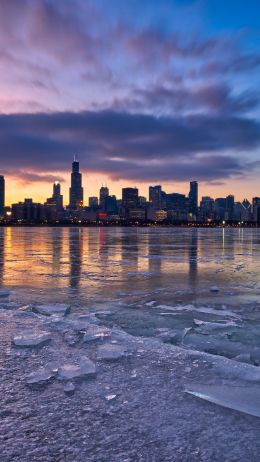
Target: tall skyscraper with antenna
76 190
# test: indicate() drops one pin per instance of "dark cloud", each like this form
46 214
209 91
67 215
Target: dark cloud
130 146
216 98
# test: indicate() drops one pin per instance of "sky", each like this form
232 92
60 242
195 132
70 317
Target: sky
144 92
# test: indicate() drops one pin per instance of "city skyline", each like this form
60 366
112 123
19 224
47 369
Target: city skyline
121 84
130 208
78 196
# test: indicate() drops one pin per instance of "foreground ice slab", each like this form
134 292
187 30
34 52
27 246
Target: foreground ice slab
69 388
4 293
244 399
60 309
31 339
85 369
110 352
40 377
96 333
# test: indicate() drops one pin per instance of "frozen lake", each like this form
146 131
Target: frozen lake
202 284
129 344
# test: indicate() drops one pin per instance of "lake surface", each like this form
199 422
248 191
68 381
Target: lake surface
198 288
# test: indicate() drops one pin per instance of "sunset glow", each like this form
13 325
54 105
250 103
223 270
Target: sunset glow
123 86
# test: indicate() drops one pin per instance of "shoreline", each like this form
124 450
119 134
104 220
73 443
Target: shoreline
134 409
129 225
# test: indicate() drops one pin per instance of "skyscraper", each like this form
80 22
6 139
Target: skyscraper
193 198
76 190
129 197
57 197
103 193
2 195
229 208
93 202
155 196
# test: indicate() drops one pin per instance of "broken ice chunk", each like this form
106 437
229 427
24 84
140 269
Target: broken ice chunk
228 368
244 399
96 333
86 369
214 289
110 397
70 337
69 388
165 334
57 309
206 327
31 339
4 293
111 352
243 358
40 377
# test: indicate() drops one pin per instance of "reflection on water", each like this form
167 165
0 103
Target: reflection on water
130 265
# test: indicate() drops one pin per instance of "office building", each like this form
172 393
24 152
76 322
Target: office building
76 190
103 193
93 202
155 196
193 198
256 209
130 197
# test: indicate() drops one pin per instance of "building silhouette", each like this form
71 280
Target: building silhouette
155 198
58 198
193 198
103 193
93 202
76 190
130 197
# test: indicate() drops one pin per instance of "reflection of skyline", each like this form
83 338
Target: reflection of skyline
130 247
57 245
155 252
75 255
133 260
2 254
193 258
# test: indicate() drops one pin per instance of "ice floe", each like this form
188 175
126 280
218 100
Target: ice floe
214 289
31 339
4 293
96 333
85 369
57 309
69 388
40 377
111 352
239 398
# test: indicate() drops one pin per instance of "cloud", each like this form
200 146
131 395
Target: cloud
214 98
31 177
129 146
84 54
134 95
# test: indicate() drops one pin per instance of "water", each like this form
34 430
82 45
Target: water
185 382
152 282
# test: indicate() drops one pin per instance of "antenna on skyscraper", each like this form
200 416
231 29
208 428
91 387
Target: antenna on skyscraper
75 158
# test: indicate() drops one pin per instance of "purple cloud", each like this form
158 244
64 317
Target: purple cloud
133 146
